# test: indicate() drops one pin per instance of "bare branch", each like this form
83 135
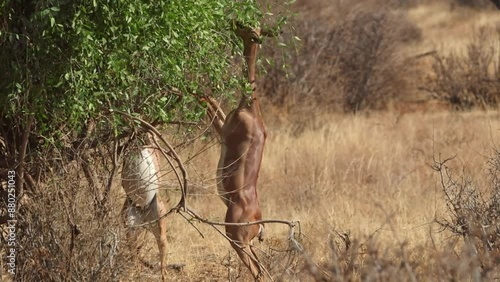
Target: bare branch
22 155
115 158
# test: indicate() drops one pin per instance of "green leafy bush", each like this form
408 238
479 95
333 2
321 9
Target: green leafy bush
68 61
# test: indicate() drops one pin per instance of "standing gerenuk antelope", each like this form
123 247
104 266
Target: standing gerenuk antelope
243 136
140 180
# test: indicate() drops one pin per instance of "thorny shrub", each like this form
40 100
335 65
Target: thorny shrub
349 64
366 57
353 260
474 213
63 234
71 227
472 80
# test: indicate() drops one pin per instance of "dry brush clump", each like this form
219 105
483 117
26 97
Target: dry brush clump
356 260
366 55
69 222
472 79
474 215
350 63
66 229
62 238
352 259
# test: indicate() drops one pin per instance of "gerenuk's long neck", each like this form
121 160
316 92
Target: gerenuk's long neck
250 54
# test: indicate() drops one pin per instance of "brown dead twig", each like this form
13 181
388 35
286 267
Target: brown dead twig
182 208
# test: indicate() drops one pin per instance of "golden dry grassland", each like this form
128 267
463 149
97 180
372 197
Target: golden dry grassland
368 176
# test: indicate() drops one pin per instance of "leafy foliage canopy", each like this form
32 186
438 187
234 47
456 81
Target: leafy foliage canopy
66 62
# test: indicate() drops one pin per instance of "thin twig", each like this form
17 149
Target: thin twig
115 159
194 226
291 224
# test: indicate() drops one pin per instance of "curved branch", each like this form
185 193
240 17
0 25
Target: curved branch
290 223
183 182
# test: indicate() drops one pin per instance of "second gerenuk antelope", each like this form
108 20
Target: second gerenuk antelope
243 137
140 180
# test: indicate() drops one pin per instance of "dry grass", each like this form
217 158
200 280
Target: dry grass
368 176
364 175
449 28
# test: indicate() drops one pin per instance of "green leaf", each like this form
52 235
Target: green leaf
125 52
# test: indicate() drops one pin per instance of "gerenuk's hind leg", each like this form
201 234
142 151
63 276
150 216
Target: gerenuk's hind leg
242 237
